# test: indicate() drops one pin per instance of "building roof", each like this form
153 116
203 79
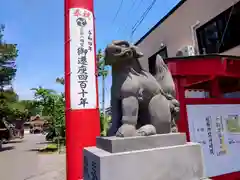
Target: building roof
206 56
161 21
32 118
38 122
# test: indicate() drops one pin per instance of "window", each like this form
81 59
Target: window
221 33
152 60
193 93
232 95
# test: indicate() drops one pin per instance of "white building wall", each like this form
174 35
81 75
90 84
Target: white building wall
176 31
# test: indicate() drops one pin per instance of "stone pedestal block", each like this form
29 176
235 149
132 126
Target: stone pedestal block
118 144
176 161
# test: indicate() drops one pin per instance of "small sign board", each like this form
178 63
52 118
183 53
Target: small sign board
217 128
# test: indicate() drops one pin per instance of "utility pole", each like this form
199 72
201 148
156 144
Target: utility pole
81 94
103 93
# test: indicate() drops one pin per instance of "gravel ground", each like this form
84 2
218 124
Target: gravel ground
50 167
19 160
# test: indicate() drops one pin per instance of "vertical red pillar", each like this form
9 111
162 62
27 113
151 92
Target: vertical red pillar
215 91
82 113
183 121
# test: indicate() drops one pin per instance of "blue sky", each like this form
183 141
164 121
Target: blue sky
37 27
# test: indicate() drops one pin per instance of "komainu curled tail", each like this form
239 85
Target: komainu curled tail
164 78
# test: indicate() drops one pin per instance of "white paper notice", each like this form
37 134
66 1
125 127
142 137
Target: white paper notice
82 59
217 128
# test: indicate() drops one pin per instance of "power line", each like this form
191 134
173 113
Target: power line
128 14
135 26
119 8
115 17
144 15
117 13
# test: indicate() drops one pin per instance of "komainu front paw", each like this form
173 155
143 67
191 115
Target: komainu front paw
146 130
126 130
174 129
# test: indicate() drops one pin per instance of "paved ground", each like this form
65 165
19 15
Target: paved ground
20 161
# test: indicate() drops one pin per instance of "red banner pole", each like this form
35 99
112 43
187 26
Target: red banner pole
82 113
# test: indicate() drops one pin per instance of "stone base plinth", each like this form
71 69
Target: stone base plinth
176 161
118 144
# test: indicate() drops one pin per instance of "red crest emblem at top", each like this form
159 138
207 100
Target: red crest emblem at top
77 12
83 13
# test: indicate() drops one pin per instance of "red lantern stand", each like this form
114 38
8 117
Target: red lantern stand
214 74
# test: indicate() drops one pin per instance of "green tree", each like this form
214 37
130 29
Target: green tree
31 106
8 54
9 95
103 73
104 123
60 80
52 105
101 67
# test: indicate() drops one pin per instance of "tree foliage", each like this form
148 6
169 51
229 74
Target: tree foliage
31 106
101 67
8 54
104 123
52 105
9 107
60 80
12 109
103 72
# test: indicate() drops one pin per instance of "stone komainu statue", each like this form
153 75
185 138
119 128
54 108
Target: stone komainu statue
142 104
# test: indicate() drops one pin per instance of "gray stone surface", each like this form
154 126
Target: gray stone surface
117 144
182 162
142 103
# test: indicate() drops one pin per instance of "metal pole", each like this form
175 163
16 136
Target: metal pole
103 96
81 94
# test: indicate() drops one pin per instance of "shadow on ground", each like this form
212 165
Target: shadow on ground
44 142
8 148
15 141
33 150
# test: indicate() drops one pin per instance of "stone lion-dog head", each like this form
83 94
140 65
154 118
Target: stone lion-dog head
119 51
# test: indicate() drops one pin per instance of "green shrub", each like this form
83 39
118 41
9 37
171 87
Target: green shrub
49 148
105 121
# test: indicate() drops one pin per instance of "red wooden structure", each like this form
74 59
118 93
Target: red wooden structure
214 74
